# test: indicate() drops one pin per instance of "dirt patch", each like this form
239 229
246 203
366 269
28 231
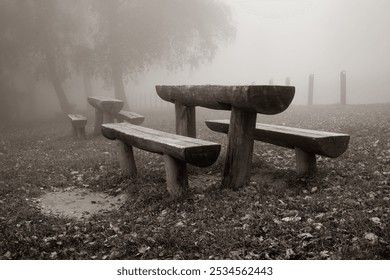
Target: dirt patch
79 203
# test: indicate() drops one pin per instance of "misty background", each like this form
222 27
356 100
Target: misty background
188 42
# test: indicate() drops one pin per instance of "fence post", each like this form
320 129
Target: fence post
271 82
311 87
343 88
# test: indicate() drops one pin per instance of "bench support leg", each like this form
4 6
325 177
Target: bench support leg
306 162
177 177
240 149
126 159
185 120
74 130
81 132
98 121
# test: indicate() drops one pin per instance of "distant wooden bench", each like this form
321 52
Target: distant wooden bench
244 102
78 125
177 151
130 117
108 109
307 143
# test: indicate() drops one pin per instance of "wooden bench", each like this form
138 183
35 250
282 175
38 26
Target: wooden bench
105 109
244 102
177 151
108 109
130 117
307 143
78 125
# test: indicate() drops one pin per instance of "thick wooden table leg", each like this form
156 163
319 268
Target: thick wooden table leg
107 118
185 120
177 177
98 120
240 149
306 162
126 159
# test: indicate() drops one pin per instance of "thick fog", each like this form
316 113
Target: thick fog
295 38
273 40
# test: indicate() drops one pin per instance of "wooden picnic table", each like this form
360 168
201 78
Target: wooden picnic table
244 102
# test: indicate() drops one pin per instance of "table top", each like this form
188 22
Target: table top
264 99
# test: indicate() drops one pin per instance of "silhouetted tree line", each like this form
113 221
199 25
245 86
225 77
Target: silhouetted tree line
99 39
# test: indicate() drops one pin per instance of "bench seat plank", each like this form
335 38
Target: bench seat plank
193 151
129 117
323 143
78 121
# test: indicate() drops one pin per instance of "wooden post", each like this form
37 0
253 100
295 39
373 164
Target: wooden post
98 120
288 81
126 159
240 149
185 120
343 88
306 162
74 129
311 88
177 177
271 82
81 132
107 117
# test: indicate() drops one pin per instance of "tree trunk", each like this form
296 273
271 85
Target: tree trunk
117 77
87 84
53 75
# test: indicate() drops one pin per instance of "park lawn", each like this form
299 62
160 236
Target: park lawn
341 213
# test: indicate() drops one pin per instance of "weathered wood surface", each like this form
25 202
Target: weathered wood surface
239 152
107 104
78 124
193 151
264 99
77 120
129 117
185 120
323 143
126 159
176 176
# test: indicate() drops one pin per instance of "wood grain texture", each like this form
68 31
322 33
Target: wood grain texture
323 143
129 117
193 151
239 153
264 99
126 159
107 104
176 176
185 120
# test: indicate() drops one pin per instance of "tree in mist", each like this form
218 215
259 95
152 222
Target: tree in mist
15 35
37 37
132 35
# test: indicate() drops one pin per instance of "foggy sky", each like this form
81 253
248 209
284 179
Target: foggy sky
295 38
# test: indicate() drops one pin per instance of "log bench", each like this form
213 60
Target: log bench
244 102
307 143
177 151
107 110
78 125
130 117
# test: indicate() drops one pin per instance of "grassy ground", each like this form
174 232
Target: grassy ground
342 213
